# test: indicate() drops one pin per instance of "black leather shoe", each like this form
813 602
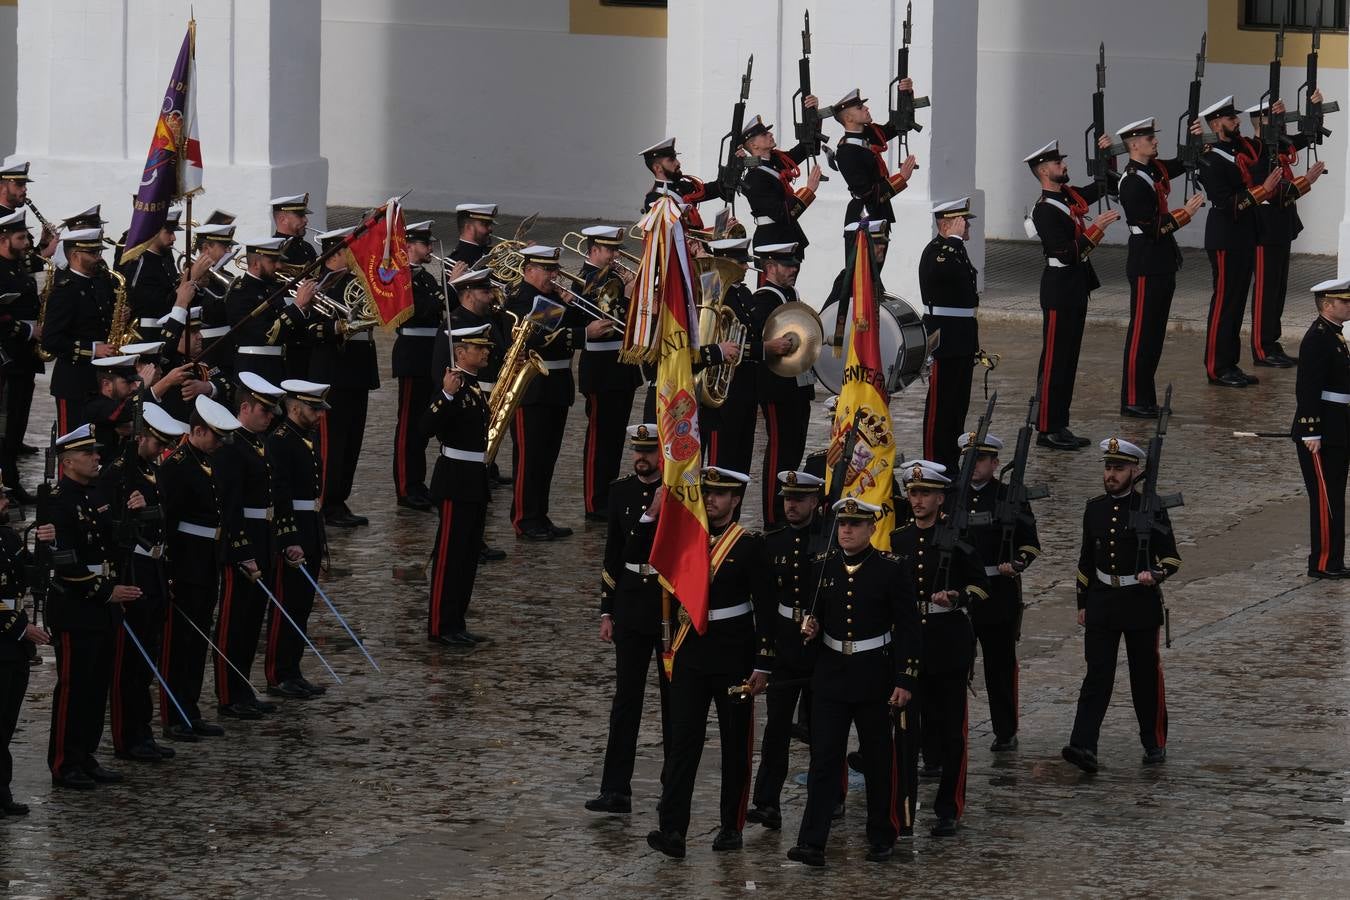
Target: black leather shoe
612 803
164 752
1155 755
101 775
1250 379
10 808
559 531
727 840
491 554
75 779
180 732
292 689
207 729
459 641
929 770
542 533
838 812
1232 378
1277 360
262 706
339 520
855 761
768 816
880 853
1068 435
315 689
476 638
1139 412
807 856
943 827
142 752
1056 440
1083 759
596 517
1331 574
671 843
1004 745
415 501
354 518
240 711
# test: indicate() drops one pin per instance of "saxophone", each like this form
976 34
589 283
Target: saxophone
520 366
121 330
43 297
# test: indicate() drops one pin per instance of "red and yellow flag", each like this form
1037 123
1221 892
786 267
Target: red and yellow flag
870 470
379 259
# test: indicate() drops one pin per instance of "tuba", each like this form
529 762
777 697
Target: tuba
717 322
520 366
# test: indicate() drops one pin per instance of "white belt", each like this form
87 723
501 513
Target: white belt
418 332
850 647
991 571
640 568
149 323
729 612
554 365
935 610
1055 264
258 512
598 346
952 312
765 220
305 505
1116 580
263 351
474 456
790 612
214 332
1135 229
199 530
486 386
1334 397
154 552
100 569
359 336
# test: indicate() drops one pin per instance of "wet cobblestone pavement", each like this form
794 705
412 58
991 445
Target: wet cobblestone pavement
457 774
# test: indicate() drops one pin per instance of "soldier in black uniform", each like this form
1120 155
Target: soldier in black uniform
862 159
998 621
297 482
109 410
785 402
152 278
792 548
1066 282
262 342
1152 263
243 469
630 619
290 220
947 285
1228 175
79 317
664 164
1321 427
1120 594
197 517
767 185
413 349
474 222
184 380
213 244
728 431
868 623
14 183
83 611
734 651
607 384
19 334
948 643
458 417
129 486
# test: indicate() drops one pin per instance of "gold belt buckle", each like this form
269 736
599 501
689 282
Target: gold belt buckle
1115 581
847 649
796 613
157 551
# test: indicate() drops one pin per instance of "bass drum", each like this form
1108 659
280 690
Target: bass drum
904 345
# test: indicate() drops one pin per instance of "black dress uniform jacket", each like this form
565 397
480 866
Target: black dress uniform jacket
1278 219
1233 192
14 561
773 387
556 388
460 423
188 486
948 640
1143 198
296 476
151 281
947 278
791 553
1005 594
79 597
344 361
1066 243
244 472
281 325
862 162
687 191
1110 548
79 315
296 250
601 370
412 353
633 599
17 316
767 188
1323 365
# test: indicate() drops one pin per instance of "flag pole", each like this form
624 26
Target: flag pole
182 157
187 236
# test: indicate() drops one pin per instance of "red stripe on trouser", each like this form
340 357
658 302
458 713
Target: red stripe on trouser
438 579
748 774
1046 367
712 449
222 637
895 786
518 438
1160 717
1323 515
165 654
771 418
62 702
115 710
273 630
62 425
965 758
930 424
323 456
588 473
1017 693
1258 295
401 437
1216 314
1131 369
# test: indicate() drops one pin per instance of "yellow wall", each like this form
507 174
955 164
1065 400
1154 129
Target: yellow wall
589 17
1230 44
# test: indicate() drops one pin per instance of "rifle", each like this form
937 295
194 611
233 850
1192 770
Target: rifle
129 521
1272 123
1148 517
949 532
1099 161
40 568
1009 508
806 122
731 165
1190 146
837 475
1310 120
904 102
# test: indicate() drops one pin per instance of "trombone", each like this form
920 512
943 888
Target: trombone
576 246
512 270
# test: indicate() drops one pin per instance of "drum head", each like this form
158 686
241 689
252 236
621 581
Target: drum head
903 345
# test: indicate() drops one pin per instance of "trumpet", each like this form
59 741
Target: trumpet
512 272
352 312
576 246
213 278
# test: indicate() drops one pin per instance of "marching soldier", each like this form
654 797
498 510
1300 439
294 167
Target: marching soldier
664 164
152 279
297 483
729 429
1119 594
630 619
83 610
947 284
862 159
79 317
792 549
732 652
607 384
948 643
785 401
1321 427
244 472
18 342
1068 278
195 520
867 621
1227 174
767 185
998 621
263 341
458 418
408 361
1152 263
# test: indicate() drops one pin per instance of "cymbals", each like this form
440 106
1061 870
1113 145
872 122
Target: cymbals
801 325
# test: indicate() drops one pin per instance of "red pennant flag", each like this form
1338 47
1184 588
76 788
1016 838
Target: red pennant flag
379 258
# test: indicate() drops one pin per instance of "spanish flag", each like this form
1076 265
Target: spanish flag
869 471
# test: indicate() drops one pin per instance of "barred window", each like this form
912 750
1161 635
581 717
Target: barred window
1298 15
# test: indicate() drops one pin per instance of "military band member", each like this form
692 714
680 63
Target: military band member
663 162
792 549
729 429
14 181
630 619
244 472
79 317
767 185
950 297
184 380
1228 175
290 220
1321 427
90 218
785 401
152 278
868 624
109 410
213 244
458 417
1120 594
1152 262
607 384
998 621
83 610
475 222
413 347
862 159
733 651
948 643
297 484
1059 219
18 342
262 342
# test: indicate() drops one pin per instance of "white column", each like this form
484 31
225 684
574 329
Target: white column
709 41
91 77
1343 242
